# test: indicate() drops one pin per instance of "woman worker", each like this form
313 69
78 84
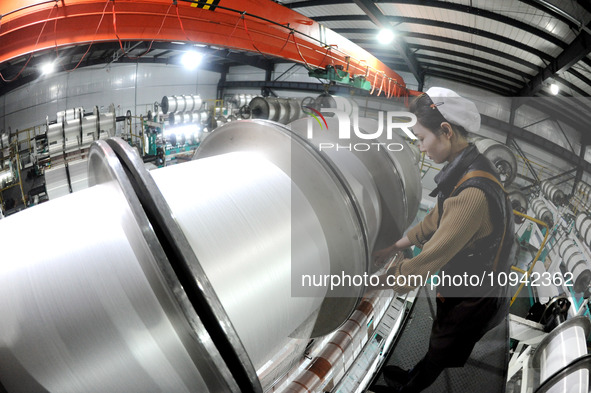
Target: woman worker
469 232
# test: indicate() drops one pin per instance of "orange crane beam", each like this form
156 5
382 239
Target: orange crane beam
261 26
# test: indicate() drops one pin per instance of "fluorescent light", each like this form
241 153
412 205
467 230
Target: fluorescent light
191 59
385 36
186 130
47 68
554 89
6 175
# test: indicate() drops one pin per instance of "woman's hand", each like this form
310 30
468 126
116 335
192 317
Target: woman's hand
383 255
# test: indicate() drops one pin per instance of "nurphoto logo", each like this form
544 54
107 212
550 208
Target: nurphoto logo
393 120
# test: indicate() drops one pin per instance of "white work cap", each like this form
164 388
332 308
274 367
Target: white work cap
455 109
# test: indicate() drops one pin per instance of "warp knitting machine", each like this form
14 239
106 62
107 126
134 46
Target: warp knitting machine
144 288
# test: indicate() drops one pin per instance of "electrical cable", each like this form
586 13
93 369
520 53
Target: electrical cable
382 84
27 6
151 42
91 42
373 85
249 36
389 92
300 53
235 26
286 41
181 22
31 54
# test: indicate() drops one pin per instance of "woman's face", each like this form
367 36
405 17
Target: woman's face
437 147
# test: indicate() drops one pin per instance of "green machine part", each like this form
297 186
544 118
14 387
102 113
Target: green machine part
152 143
338 75
360 82
524 239
331 73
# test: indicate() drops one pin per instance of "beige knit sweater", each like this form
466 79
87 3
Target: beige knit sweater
466 219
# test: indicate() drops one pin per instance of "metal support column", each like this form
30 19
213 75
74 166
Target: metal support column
221 82
579 174
266 90
514 106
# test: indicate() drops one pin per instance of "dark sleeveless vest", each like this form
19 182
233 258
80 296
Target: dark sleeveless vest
478 260
466 312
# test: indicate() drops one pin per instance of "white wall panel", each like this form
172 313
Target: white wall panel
254 92
208 92
100 79
30 117
207 78
207 84
166 76
157 81
296 74
133 87
36 93
105 98
245 73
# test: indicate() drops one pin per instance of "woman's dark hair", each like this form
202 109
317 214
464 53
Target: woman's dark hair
430 117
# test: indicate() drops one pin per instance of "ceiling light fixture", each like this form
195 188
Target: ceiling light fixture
47 68
191 59
550 83
385 36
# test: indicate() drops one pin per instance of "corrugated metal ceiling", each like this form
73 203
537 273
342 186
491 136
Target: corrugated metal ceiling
521 43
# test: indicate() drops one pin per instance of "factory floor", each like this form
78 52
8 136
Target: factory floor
485 371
